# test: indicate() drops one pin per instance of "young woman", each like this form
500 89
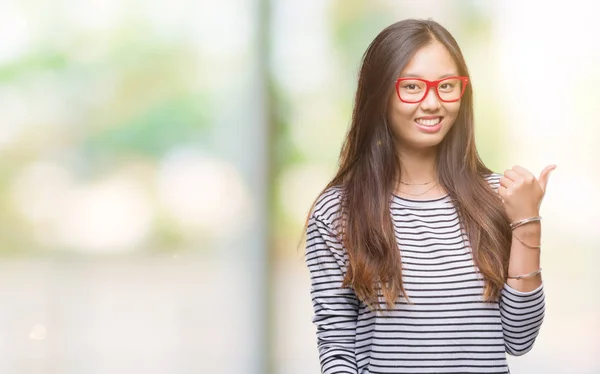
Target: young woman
422 260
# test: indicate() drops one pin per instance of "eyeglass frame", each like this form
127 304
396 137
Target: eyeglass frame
432 84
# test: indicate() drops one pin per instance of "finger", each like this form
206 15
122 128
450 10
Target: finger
505 182
512 175
502 192
544 175
526 174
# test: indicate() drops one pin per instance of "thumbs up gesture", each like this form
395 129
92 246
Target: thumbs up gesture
522 193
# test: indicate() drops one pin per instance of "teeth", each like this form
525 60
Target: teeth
428 122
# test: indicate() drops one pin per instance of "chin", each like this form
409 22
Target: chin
422 141
430 142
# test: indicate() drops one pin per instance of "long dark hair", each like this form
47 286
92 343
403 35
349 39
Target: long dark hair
368 167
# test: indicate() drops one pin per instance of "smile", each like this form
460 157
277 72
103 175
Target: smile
428 121
429 125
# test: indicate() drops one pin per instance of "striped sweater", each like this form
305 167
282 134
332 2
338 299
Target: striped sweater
446 329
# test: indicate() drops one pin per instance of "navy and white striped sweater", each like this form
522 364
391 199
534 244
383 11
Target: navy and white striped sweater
446 329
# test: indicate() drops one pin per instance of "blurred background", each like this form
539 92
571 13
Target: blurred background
158 158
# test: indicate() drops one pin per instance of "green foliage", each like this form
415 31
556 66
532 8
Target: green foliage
42 60
154 131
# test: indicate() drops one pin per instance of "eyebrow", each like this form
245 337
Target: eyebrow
419 76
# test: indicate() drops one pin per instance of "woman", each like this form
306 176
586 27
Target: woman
421 259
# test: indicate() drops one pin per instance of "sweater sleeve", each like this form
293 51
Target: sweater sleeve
522 314
335 308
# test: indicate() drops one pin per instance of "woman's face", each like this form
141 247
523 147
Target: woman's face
416 125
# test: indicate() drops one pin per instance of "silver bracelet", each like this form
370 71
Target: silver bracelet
514 225
526 275
527 245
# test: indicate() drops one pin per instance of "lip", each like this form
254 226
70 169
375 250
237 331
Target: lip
429 117
429 129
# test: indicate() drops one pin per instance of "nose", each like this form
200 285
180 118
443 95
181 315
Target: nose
431 101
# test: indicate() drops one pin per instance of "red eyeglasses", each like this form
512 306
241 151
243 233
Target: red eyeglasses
414 90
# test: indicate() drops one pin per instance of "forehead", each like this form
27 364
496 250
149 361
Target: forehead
431 62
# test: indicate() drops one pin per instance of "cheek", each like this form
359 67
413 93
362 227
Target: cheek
452 111
400 118
399 111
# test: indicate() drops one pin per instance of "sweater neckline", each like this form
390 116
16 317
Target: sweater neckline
438 201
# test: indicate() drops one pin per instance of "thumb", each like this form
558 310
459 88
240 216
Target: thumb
544 175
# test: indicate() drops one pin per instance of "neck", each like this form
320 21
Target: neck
418 166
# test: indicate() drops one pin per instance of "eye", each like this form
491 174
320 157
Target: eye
411 86
450 85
